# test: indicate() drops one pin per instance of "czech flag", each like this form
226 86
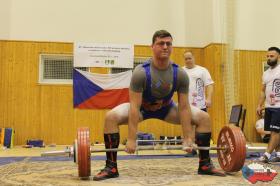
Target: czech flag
100 91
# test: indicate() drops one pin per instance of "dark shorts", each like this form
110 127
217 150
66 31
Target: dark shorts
272 119
159 114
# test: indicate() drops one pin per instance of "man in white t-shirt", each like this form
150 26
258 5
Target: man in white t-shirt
201 83
270 95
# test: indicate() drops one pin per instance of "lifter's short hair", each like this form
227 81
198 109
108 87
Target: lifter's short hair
161 34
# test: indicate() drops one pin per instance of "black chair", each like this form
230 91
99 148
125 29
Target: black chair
237 114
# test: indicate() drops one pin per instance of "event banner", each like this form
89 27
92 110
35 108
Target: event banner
103 55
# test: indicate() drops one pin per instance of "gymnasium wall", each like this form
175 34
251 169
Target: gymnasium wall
249 67
194 23
5 9
109 21
213 61
256 24
46 111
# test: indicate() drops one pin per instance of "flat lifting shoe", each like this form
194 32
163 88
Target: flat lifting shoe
206 167
110 171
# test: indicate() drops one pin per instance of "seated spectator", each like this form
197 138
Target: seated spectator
265 135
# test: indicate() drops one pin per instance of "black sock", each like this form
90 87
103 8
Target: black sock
203 139
111 141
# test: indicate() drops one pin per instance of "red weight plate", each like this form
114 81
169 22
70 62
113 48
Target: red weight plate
232 159
241 141
83 153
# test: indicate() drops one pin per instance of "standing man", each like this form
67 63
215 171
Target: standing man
270 94
201 83
151 90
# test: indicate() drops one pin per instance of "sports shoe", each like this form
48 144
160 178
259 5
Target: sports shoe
110 171
275 160
263 159
206 167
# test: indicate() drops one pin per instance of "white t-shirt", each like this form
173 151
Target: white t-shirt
199 78
260 125
271 78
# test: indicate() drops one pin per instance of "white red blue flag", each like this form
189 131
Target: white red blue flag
100 91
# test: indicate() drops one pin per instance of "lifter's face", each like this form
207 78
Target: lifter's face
162 48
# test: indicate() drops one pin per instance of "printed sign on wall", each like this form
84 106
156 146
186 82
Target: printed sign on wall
103 55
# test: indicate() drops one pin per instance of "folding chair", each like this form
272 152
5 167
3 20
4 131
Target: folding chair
235 115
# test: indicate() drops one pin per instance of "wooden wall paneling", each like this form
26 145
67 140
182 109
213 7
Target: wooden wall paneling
46 111
213 61
251 70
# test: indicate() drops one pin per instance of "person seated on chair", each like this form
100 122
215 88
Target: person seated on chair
265 135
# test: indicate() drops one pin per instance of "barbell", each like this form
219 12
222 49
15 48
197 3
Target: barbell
231 149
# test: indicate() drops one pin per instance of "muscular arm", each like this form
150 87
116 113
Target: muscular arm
185 114
133 118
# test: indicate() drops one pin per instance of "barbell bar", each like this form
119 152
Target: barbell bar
141 148
69 152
